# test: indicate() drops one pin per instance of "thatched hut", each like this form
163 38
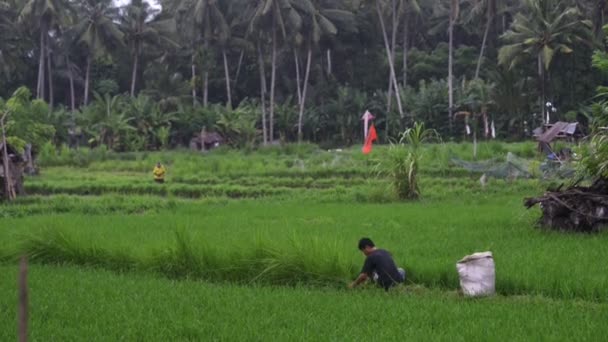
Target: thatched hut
12 185
206 141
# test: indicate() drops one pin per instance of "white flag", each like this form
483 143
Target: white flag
493 130
468 129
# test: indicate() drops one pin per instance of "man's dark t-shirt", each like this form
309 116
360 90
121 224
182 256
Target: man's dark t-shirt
381 262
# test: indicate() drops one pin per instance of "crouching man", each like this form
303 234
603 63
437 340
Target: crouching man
379 266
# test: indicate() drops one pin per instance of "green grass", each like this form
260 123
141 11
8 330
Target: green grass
74 304
427 238
260 245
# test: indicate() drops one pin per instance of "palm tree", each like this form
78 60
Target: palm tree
488 11
318 22
206 22
213 26
99 32
547 27
267 18
389 50
43 14
411 10
9 40
140 29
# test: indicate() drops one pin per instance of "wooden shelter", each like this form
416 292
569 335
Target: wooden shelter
569 131
206 141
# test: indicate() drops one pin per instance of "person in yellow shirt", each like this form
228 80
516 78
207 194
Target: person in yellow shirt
159 173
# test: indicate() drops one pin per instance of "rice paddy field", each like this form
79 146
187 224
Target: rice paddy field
260 245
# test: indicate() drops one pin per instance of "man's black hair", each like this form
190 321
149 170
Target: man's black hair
365 242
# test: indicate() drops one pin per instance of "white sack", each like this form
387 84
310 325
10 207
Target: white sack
477 274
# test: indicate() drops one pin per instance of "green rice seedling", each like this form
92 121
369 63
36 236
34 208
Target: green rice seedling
56 247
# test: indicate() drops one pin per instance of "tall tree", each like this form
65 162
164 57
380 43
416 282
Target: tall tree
10 40
454 13
318 22
141 28
267 18
99 31
43 15
411 11
542 29
389 54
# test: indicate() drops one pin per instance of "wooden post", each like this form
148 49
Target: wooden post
23 300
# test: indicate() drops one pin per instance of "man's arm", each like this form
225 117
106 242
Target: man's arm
360 279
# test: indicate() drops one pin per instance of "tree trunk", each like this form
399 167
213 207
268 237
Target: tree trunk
87 80
329 62
406 37
41 68
451 74
263 89
71 79
193 81
205 88
88 72
273 77
9 192
483 45
390 59
305 88
72 102
227 75
541 79
393 48
206 73
239 66
50 76
298 78
135 67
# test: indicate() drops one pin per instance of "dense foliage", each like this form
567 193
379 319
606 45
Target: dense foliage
137 76
595 154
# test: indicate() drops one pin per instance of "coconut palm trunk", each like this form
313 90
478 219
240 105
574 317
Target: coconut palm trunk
389 103
484 42
451 69
227 76
273 78
389 56
406 34
135 67
329 62
41 68
298 77
304 89
193 80
205 88
263 89
541 80
87 79
239 66
205 72
71 80
49 68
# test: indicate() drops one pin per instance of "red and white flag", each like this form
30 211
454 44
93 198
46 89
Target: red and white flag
371 137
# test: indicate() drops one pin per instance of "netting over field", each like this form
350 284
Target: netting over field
514 167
